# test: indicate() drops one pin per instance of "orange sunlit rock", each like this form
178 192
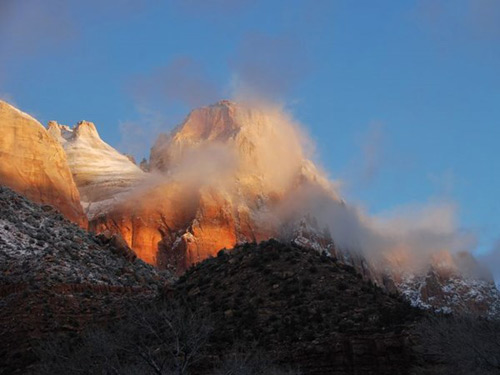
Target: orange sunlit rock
213 182
34 164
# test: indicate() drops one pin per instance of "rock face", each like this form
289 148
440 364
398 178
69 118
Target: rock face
449 283
215 181
231 174
56 277
35 165
101 173
456 285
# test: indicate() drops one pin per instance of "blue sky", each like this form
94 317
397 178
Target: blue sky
401 97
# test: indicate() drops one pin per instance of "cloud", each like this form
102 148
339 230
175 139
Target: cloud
406 238
268 67
29 27
371 158
272 146
450 22
265 140
491 260
372 152
162 97
264 67
182 81
276 151
137 136
215 7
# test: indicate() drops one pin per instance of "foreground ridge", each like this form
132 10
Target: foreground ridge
56 277
303 308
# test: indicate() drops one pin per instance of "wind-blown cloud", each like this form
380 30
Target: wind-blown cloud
183 81
491 260
372 152
29 27
214 7
450 21
162 97
406 238
370 159
268 67
36 27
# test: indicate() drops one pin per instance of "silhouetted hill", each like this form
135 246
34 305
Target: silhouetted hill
57 278
302 308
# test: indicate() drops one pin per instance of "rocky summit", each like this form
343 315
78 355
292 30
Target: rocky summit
216 180
101 173
57 278
228 174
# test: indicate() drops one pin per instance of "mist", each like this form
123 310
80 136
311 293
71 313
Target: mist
491 260
268 67
267 70
273 153
263 141
408 238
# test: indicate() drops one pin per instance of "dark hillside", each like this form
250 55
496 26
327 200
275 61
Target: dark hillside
302 308
56 278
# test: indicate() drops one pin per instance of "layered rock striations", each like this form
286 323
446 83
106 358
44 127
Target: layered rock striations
35 165
102 174
228 174
214 181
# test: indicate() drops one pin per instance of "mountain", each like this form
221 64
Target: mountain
448 283
303 309
215 181
35 165
452 283
270 305
57 278
229 174
101 173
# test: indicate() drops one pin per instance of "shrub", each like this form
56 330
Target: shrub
458 345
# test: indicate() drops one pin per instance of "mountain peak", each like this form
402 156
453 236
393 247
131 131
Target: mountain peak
259 138
86 129
82 130
100 172
224 103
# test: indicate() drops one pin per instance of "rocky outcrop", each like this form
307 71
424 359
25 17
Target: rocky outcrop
214 182
450 283
231 174
35 165
102 174
459 285
56 278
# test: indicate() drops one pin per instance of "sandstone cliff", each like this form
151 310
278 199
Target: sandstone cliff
101 173
35 165
214 181
230 174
